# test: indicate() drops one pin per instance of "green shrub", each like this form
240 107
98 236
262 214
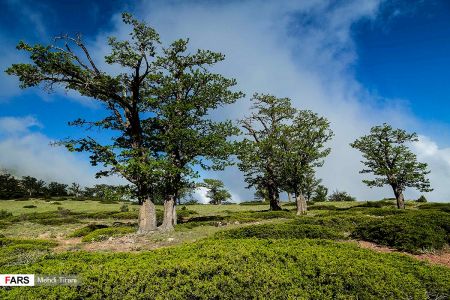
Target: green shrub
240 269
440 206
343 222
422 199
29 206
21 251
376 204
4 214
254 203
413 231
235 217
322 207
125 215
382 211
282 231
83 231
340 196
105 233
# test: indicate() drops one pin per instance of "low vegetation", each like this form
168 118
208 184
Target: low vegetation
250 253
414 231
105 233
241 269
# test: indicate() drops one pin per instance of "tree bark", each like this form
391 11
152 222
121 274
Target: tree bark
273 198
400 199
147 217
289 197
301 204
170 215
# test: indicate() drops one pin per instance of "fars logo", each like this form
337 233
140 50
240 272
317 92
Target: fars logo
17 280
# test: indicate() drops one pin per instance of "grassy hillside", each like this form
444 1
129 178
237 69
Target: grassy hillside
228 252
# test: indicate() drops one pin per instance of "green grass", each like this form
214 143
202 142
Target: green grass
88 206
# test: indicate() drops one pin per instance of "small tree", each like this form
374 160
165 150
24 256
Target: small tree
388 157
320 194
75 190
422 199
216 191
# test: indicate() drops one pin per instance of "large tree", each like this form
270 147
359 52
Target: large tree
258 151
183 135
68 64
388 157
302 149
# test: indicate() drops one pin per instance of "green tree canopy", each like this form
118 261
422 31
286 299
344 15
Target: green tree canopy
257 153
182 133
303 148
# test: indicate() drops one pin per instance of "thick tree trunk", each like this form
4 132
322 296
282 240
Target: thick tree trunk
147 217
170 215
273 198
301 204
400 199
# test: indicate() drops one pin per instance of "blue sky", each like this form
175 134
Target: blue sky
359 63
407 56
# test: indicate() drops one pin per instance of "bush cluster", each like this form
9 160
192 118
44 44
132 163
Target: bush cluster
235 217
413 231
438 206
105 233
283 231
340 196
22 251
240 269
83 231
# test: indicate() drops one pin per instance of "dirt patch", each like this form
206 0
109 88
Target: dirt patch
127 243
440 258
68 244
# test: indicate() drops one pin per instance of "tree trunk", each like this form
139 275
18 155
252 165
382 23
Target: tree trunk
147 217
301 204
170 215
400 199
273 198
289 197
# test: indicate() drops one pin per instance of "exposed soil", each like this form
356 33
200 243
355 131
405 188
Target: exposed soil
440 258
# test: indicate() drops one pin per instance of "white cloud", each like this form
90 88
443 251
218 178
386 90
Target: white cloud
29 153
438 160
17 125
200 195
